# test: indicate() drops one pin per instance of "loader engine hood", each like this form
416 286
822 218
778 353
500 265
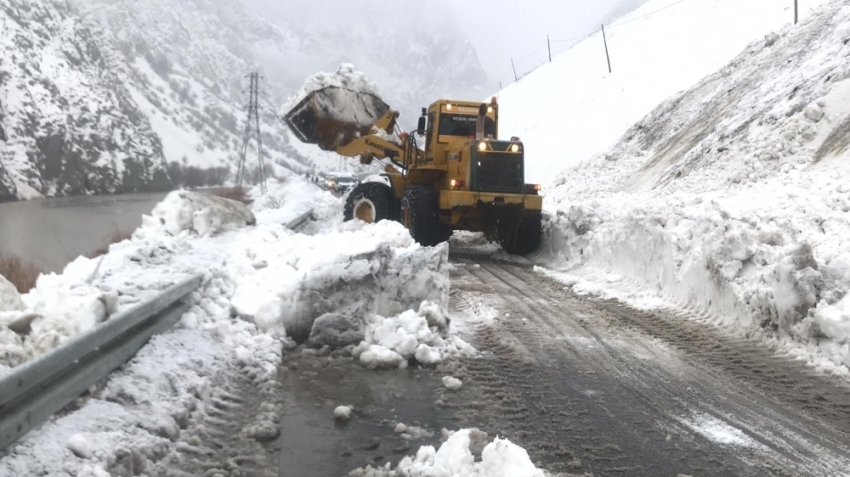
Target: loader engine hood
334 116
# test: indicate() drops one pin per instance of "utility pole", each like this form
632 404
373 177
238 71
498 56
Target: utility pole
514 67
796 12
549 45
252 129
605 40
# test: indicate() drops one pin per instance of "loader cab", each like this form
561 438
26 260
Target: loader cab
450 123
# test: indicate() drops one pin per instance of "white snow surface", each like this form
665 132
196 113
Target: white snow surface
729 198
570 109
500 458
258 283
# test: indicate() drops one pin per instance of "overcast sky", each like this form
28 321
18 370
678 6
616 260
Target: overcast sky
500 29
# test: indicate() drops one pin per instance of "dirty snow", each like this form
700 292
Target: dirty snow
500 458
263 285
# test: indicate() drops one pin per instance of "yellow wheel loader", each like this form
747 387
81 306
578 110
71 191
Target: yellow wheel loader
452 173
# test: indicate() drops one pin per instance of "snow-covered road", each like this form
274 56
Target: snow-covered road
589 385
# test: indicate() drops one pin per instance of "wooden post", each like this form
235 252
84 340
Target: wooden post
796 13
514 67
605 40
549 45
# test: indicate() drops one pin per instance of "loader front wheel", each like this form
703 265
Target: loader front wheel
527 237
371 202
420 213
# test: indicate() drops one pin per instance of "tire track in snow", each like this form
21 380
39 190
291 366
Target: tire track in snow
593 391
228 434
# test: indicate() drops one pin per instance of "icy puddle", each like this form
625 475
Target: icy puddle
314 444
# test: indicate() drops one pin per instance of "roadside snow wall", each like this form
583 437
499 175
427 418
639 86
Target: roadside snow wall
731 198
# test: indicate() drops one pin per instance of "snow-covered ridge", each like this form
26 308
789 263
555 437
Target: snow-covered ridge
729 198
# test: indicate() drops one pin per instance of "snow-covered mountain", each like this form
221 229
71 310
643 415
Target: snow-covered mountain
103 96
69 123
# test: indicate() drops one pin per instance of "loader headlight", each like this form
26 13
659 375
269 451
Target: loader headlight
449 106
482 146
515 148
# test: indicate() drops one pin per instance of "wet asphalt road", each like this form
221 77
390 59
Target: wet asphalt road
589 387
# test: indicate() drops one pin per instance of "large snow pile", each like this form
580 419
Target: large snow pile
730 198
500 458
568 110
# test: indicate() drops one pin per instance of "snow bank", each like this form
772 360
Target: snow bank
205 215
729 199
500 458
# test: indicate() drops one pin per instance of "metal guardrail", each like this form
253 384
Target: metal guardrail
300 220
34 391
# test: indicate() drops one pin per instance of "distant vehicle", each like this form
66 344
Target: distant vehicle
340 182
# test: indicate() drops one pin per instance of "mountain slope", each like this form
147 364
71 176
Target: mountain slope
568 110
70 126
109 92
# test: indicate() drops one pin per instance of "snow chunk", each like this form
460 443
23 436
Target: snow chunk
452 383
500 458
377 356
204 215
428 355
10 299
814 113
342 413
79 445
336 330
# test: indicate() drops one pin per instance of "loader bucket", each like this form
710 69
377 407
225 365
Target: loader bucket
333 116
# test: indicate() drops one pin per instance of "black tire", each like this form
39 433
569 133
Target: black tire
527 237
371 202
420 213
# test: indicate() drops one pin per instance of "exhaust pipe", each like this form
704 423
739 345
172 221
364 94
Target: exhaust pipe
479 122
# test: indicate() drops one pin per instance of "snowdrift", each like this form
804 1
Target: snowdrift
729 198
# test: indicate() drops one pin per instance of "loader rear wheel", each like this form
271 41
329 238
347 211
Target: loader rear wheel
527 237
371 202
420 213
